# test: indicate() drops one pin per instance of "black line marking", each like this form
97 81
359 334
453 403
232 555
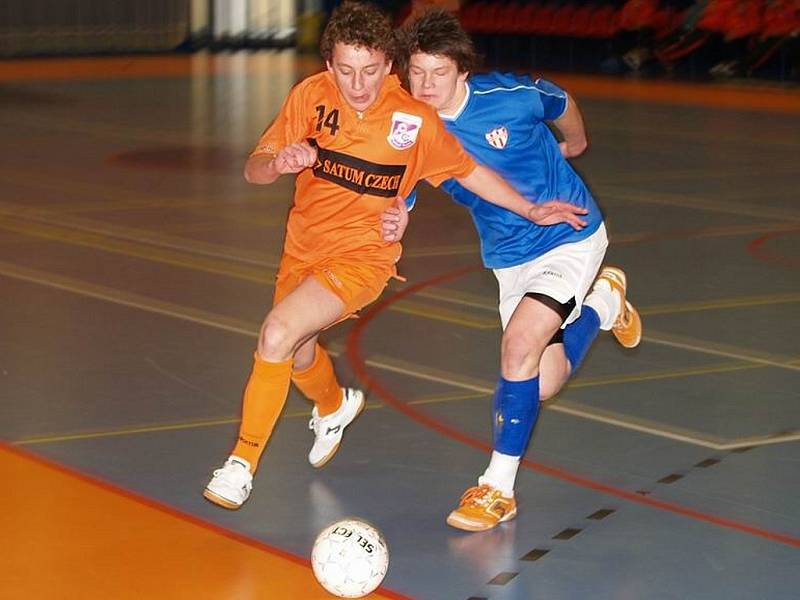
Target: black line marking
670 478
709 462
477 598
567 534
740 450
644 492
535 554
601 514
503 578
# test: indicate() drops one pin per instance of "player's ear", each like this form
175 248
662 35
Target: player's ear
329 65
388 67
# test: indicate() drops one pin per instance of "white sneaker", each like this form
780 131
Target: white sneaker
328 430
230 486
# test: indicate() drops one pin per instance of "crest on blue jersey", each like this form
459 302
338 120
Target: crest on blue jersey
498 137
404 130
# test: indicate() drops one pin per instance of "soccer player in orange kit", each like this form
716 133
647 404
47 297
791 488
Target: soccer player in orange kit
359 144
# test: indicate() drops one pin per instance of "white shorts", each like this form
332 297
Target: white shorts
565 272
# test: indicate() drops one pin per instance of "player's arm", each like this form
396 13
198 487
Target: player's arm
573 132
447 158
278 151
491 187
266 168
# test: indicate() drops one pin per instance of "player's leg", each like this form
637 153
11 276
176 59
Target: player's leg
536 356
314 376
566 352
297 317
605 308
357 284
335 407
534 321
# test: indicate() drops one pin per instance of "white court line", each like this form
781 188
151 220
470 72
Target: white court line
720 352
583 412
235 326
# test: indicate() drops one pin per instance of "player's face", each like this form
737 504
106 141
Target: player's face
435 79
359 73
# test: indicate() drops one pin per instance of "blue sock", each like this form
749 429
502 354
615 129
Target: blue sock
579 335
516 408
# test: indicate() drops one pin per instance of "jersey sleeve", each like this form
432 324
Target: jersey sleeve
553 99
443 155
291 125
411 200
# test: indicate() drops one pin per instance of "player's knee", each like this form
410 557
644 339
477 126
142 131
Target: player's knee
520 356
275 341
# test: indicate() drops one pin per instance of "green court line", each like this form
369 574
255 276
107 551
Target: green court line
232 267
156 428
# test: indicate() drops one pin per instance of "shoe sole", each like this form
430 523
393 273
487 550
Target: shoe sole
466 525
220 501
324 460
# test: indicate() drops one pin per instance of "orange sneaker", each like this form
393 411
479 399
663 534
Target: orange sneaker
628 326
482 507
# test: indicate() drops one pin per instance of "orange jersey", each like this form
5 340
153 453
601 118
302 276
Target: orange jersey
364 161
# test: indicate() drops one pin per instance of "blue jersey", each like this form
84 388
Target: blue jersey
502 125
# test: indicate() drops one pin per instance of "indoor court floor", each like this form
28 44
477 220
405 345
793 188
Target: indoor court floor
136 265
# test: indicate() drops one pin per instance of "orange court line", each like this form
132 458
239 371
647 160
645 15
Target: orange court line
111 67
730 95
137 66
68 536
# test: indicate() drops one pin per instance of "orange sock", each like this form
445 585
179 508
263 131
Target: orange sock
318 383
264 397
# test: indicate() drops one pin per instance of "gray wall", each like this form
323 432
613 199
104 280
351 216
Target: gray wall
29 27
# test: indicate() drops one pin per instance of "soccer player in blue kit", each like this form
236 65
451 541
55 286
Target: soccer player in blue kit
544 272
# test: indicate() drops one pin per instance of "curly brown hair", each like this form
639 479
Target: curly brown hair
439 33
359 24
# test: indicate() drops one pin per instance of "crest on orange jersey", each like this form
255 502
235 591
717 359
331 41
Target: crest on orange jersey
404 130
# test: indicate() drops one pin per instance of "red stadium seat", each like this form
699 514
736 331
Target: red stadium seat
543 19
638 14
561 24
745 20
781 18
671 22
605 23
508 18
715 15
581 21
470 16
527 18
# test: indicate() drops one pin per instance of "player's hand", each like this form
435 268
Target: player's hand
394 220
295 157
556 211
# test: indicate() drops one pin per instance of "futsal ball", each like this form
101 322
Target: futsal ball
350 558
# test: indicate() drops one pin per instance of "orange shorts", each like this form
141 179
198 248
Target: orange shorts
356 284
